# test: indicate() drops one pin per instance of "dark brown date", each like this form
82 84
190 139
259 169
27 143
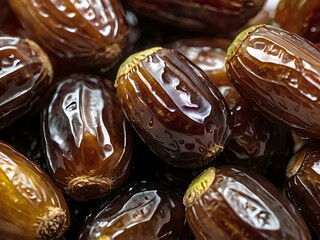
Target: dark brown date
87 140
25 77
31 206
303 185
299 16
279 73
255 142
173 107
141 210
235 203
215 17
91 34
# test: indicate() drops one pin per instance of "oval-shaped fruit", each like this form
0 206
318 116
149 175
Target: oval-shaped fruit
279 72
141 210
299 16
173 107
90 33
31 207
255 143
303 185
215 17
234 203
25 77
87 140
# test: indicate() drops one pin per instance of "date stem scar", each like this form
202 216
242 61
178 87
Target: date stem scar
132 61
234 46
199 186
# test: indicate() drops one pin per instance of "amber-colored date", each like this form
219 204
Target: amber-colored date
299 16
31 207
255 143
234 203
88 143
215 17
141 210
279 72
25 77
91 34
303 185
173 107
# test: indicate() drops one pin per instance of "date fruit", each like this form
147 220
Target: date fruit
303 184
279 73
141 210
25 76
173 107
31 207
87 140
234 203
215 17
88 33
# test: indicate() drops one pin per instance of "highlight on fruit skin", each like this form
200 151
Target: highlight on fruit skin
90 34
88 142
31 206
173 107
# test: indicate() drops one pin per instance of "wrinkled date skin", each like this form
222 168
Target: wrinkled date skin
90 33
299 16
173 107
87 140
303 185
279 73
215 17
25 77
141 210
234 203
255 143
31 206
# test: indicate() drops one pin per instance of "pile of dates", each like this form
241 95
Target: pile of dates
159 119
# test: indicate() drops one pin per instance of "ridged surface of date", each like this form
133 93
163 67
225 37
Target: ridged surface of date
31 206
173 107
90 33
279 72
234 203
25 77
88 143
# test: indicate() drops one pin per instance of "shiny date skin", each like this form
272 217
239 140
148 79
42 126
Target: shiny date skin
173 107
31 206
255 143
231 202
89 34
279 73
303 184
25 78
87 140
141 210
299 16
214 17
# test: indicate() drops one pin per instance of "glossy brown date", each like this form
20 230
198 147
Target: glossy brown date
303 185
234 203
213 17
173 107
90 34
279 73
87 140
31 207
25 78
141 210
299 16
255 143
